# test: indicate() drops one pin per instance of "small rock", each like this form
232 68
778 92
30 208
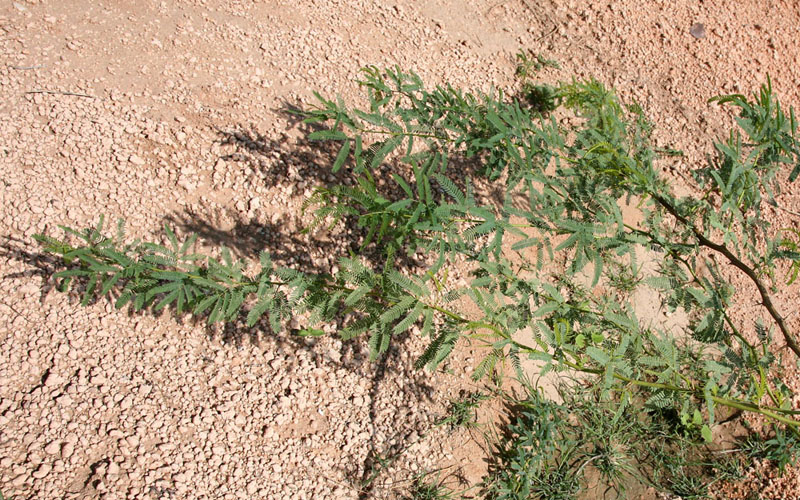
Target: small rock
42 471
698 30
52 448
186 184
136 160
64 400
113 468
126 403
53 380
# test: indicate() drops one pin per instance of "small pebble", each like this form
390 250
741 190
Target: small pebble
698 30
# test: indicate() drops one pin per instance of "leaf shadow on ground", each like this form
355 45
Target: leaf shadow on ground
41 264
246 237
314 252
278 164
351 358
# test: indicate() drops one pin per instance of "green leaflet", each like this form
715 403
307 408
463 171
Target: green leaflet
705 431
438 349
409 320
378 343
378 120
258 310
539 178
341 157
356 295
598 355
450 188
327 135
397 310
171 297
409 285
523 244
546 309
383 149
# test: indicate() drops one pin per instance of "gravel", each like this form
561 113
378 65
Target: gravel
171 112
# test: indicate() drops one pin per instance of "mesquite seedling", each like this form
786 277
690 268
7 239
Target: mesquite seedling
545 260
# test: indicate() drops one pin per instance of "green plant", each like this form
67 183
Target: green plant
791 245
528 64
541 98
536 460
561 450
780 448
463 410
426 487
560 201
625 277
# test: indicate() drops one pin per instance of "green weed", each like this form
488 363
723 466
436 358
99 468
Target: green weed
430 487
559 181
463 410
781 447
528 64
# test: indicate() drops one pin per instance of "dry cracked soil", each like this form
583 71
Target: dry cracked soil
174 112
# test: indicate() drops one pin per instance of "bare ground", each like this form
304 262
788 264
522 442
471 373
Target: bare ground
173 112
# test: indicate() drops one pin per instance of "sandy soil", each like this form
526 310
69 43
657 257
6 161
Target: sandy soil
171 111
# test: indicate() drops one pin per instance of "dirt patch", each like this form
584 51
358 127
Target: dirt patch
172 111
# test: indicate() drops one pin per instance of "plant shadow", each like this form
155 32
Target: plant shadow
246 237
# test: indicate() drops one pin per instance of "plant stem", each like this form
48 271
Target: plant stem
771 412
766 299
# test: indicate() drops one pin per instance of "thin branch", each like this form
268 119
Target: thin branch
766 299
52 92
27 67
555 27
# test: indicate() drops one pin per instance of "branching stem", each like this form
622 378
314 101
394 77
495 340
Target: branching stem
766 299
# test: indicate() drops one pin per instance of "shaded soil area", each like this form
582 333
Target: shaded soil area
174 111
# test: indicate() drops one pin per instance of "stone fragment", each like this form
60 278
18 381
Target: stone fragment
42 471
698 30
136 160
53 448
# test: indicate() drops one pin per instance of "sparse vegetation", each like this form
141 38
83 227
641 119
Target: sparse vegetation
463 410
657 392
428 486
